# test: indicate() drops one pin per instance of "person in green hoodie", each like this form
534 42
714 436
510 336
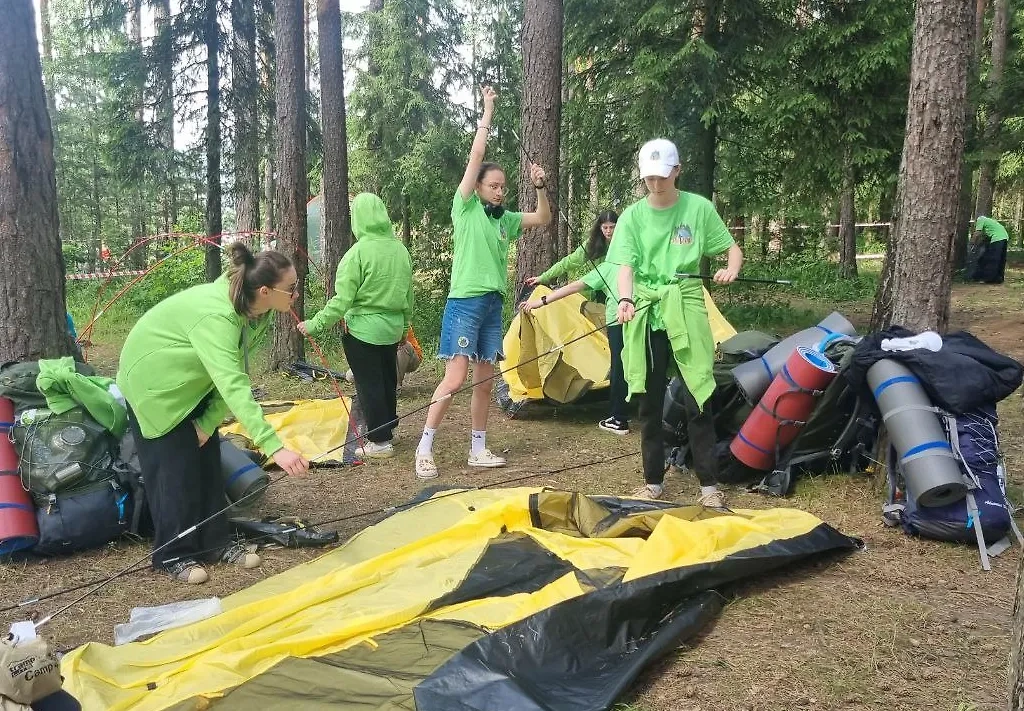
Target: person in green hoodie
991 267
181 371
373 296
665 321
591 254
471 328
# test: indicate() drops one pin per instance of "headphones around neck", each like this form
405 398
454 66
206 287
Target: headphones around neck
492 210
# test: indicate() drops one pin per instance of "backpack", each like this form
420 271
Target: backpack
985 515
85 493
838 434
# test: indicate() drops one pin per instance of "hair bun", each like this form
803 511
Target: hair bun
240 255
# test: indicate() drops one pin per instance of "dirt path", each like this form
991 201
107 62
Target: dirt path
905 624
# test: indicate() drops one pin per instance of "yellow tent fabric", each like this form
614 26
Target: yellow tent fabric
316 429
401 571
567 373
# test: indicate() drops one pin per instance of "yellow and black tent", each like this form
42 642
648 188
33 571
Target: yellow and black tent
524 599
564 375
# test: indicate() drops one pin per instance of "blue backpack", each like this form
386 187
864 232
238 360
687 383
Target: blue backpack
984 516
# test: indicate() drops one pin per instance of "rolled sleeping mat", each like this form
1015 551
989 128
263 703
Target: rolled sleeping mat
18 527
783 410
754 376
241 474
930 468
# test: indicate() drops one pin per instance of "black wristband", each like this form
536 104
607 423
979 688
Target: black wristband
544 299
627 300
539 187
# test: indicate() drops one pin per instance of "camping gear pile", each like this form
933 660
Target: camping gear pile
819 400
70 478
62 460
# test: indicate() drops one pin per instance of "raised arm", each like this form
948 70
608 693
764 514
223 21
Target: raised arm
479 147
542 215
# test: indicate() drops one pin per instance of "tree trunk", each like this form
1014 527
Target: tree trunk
269 89
564 240
245 96
1017 645
137 209
32 323
214 219
927 193
990 142
47 37
162 49
336 218
541 125
292 187
966 201
847 221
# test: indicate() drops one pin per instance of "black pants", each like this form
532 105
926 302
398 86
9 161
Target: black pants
992 264
375 369
183 487
616 378
700 425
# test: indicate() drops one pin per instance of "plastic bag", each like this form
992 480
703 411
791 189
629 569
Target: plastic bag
144 621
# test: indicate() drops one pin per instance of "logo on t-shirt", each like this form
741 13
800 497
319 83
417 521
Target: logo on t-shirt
683 236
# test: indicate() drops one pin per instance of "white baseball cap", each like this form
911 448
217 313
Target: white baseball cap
658 158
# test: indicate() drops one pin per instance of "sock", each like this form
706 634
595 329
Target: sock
477 442
426 445
656 489
706 490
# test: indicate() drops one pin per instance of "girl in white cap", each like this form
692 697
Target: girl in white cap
665 322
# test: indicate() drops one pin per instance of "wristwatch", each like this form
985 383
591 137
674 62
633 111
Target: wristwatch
544 299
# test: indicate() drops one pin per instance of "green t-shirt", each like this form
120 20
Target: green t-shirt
659 243
605 278
480 262
992 229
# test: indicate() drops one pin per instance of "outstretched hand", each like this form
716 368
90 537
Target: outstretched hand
529 306
532 281
489 95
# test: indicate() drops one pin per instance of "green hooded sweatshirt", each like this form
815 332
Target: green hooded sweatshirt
182 350
373 286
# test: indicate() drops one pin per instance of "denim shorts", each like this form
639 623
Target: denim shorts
472 327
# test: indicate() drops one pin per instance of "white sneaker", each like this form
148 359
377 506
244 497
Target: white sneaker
648 491
375 450
714 500
486 459
425 466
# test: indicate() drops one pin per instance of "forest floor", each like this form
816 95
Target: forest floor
903 624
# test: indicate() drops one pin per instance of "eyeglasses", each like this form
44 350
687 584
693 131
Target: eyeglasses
291 292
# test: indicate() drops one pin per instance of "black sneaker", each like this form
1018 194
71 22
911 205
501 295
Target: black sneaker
614 426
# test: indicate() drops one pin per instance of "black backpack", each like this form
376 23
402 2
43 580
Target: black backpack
838 435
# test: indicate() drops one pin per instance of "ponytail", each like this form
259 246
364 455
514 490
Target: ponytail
247 273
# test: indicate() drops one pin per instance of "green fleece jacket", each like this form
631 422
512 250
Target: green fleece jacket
188 347
373 287
572 263
689 332
65 388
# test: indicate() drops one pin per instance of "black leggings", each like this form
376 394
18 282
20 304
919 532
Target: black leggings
701 425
